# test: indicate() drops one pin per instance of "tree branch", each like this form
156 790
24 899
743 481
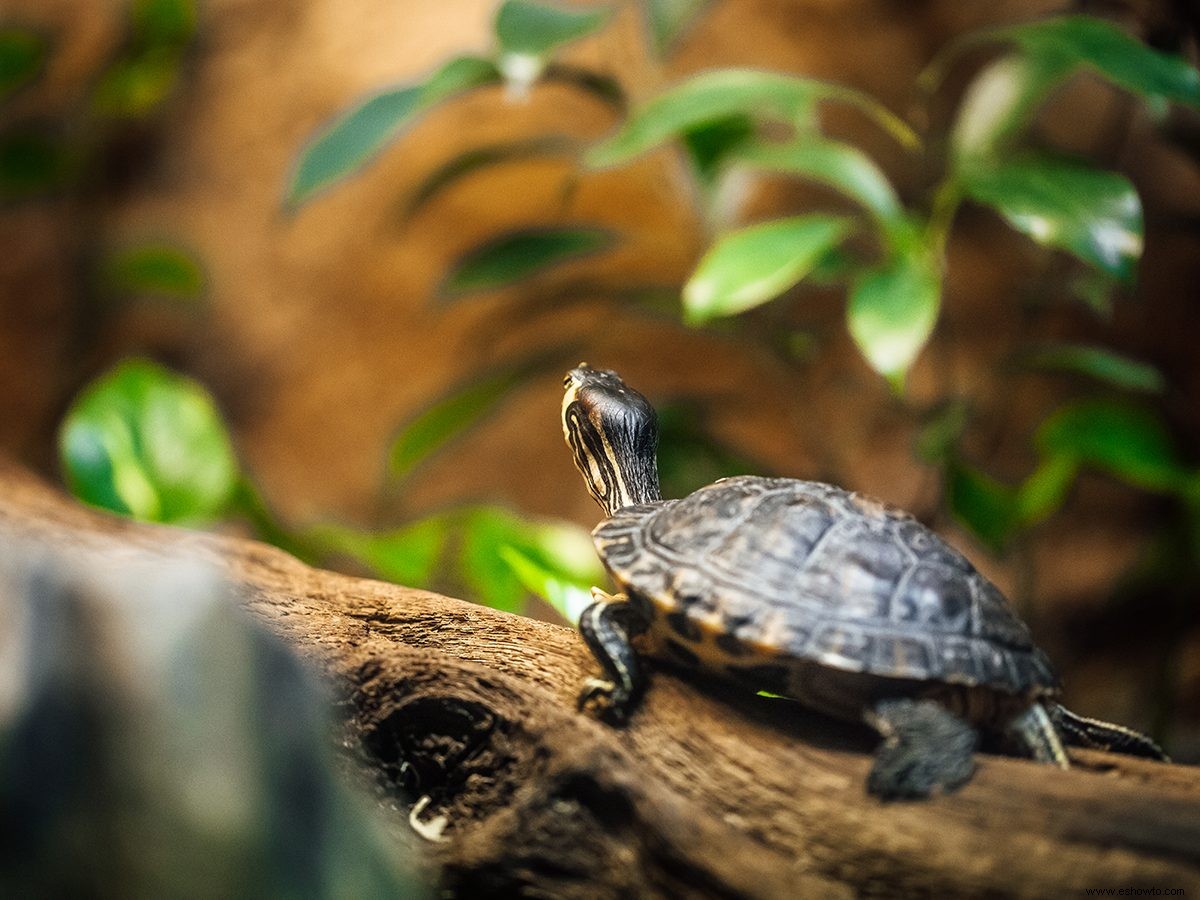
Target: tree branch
470 714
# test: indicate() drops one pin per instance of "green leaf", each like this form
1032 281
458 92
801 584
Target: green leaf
22 55
568 596
1056 48
1099 363
709 146
504 556
1043 492
669 19
892 311
1109 51
839 166
1126 441
719 95
32 163
488 576
566 558
518 255
408 555
834 268
601 86
800 347
1003 100
163 23
356 136
154 269
998 105
538 29
148 443
447 419
994 511
981 504
135 87
471 161
749 266
1093 214
556 561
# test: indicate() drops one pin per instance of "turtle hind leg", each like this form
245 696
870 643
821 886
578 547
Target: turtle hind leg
1034 731
607 627
1080 731
926 748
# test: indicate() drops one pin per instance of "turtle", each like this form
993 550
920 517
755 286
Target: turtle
815 593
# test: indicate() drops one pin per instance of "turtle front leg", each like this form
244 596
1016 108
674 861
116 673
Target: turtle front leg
1034 731
926 748
608 626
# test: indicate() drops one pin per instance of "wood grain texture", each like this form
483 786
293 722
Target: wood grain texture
707 793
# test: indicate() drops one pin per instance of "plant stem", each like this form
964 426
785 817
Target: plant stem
946 200
248 502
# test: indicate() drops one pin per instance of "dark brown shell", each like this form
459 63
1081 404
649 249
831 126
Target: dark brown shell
808 571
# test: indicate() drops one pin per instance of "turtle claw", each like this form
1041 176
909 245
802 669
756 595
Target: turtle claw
604 700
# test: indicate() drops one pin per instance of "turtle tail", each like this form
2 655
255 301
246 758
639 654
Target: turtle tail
1094 734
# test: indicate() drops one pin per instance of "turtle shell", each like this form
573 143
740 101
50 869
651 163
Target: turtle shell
771 567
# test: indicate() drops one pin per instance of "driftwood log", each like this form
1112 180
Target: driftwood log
467 717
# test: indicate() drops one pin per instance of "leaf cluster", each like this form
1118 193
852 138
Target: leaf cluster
40 157
888 251
149 443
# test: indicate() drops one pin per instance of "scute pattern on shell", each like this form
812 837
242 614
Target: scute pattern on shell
809 571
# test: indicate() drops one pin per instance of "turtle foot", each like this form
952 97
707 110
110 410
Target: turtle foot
926 750
604 700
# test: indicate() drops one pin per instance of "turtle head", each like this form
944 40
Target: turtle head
613 434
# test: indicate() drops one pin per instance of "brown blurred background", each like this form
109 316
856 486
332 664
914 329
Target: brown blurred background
322 331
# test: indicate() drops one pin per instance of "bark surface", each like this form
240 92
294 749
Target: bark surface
467 717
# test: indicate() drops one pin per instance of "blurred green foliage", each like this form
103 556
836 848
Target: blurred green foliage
517 256
357 136
1124 440
752 265
153 270
689 454
840 166
475 159
495 556
448 417
1096 362
22 55
538 29
67 156
718 96
888 254
892 310
32 163
150 444
891 256
1093 214
668 20
147 71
